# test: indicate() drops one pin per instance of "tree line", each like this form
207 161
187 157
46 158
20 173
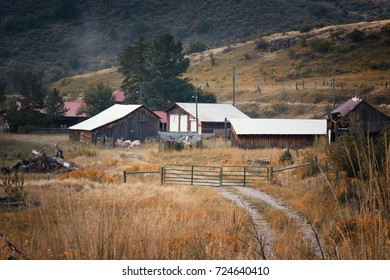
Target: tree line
152 73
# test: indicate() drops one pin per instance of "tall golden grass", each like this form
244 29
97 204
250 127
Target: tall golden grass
91 217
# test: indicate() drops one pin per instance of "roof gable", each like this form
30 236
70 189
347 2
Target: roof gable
279 126
114 113
211 112
347 106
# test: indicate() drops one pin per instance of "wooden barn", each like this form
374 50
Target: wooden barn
181 117
127 122
279 133
356 115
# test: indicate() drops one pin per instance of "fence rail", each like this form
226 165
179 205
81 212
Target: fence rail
213 175
272 171
125 173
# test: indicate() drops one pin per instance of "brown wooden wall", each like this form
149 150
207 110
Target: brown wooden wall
367 118
272 141
138 125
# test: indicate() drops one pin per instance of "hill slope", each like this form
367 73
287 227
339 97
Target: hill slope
68 37
295 79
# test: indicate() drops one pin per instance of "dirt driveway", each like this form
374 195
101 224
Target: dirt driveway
262 231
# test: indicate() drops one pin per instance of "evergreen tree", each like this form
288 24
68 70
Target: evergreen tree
54 105
133 61
152 74
162 86
32 92
97 98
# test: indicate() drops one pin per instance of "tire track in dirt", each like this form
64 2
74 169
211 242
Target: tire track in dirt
262 226
262 232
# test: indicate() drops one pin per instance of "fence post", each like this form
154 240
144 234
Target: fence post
311 168
162 175
244 176
271 171
124 176
220 177
192 174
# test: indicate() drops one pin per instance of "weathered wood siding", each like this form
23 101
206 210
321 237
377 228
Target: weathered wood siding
272 141
138 125
366 118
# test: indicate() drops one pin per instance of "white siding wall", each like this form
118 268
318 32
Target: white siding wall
173 122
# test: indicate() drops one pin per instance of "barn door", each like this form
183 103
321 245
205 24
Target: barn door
173 122
184 123
193 125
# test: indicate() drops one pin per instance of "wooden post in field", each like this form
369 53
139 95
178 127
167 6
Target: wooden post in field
162 176
271 171
124 176
192 175
334 93
244 176
220 177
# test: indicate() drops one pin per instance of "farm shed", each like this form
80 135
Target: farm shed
211 117
130 122
280 133
356 115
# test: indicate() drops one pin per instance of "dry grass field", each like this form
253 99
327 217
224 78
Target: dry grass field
92 214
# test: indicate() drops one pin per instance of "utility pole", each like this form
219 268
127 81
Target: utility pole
334 93
234 86
196 109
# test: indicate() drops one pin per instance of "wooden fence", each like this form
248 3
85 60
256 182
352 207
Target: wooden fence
272 170
213 175
216 176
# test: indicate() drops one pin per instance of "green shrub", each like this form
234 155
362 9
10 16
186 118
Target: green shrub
14 187
261 45
320 45
195 47
286 157
356 36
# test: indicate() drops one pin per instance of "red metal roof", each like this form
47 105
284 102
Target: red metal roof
119 96
73 107
162 115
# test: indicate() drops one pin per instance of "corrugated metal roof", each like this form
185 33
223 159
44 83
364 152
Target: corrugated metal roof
73 107
109 115
119 96
347 106
279 126
212 112
162 115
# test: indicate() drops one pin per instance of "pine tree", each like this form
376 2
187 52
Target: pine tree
97 98
32 91
54 106
133 61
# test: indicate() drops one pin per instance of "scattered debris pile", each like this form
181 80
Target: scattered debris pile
128 143
179 140
40 163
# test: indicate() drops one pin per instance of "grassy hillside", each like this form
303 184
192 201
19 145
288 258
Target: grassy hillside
293 81
69 37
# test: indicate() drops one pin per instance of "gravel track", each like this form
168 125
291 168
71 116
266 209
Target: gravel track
267 234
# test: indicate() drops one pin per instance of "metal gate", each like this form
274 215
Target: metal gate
217 176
